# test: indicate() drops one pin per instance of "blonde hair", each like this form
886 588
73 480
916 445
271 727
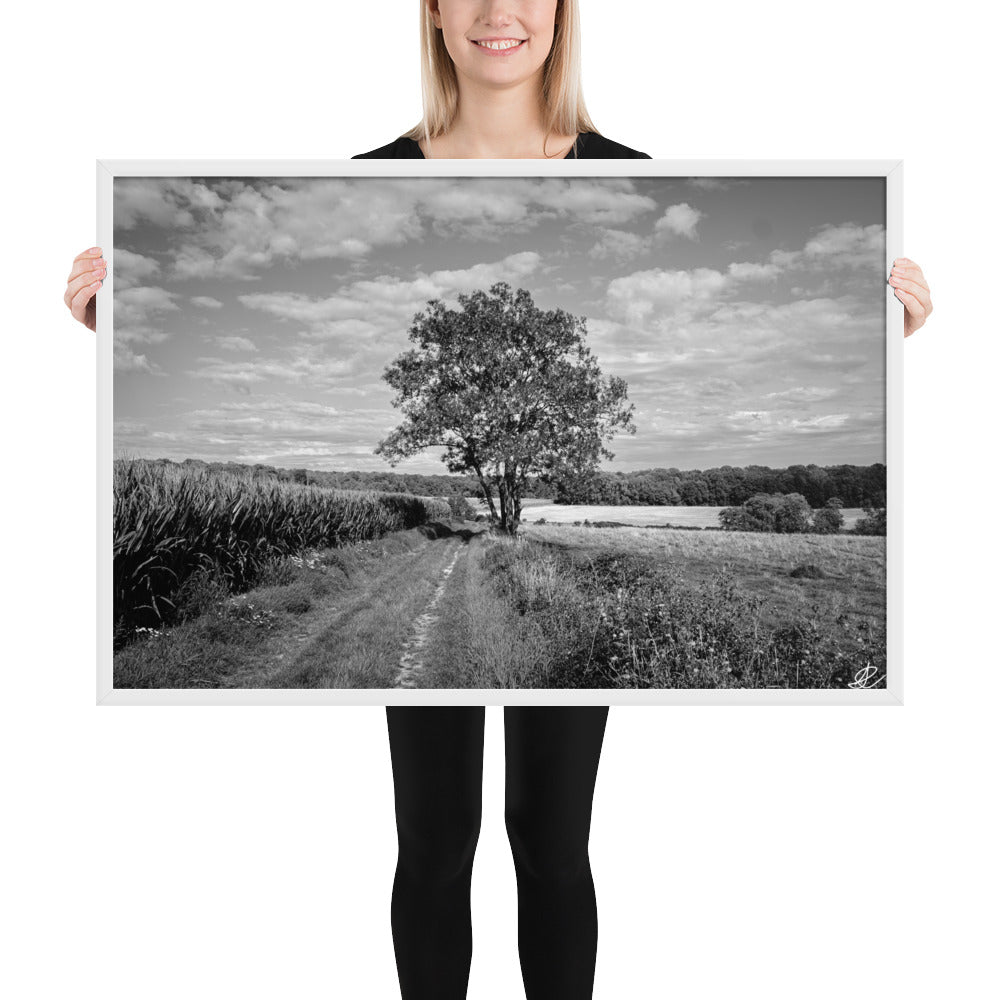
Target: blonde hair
565 112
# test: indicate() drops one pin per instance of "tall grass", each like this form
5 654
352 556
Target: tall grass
628 619
171 522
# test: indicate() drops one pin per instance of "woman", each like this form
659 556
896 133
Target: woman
501 78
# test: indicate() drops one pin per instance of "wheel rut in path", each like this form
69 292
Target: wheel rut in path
411 663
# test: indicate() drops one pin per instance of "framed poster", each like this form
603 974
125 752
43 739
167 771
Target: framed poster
499 432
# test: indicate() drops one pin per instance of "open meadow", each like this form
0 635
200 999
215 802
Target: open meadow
536 508
702 608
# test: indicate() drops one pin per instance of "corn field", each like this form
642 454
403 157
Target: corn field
170 522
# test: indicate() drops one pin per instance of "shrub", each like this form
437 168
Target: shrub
786 513
461 509
873 523
828 520
808 571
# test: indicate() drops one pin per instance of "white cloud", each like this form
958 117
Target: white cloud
715 183
511 269
312 367
303 308
802 394
233 343
646 294
748 270
679 220
348 331
126 360
619 245
165 201
139 313
235 228
274 429
132 269
846 245
194 262
385 305
491 207
237 374
206 302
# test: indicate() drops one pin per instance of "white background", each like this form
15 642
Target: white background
738 852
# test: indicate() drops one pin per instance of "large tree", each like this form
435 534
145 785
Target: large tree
509 391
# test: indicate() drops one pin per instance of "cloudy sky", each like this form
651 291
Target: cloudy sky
254 317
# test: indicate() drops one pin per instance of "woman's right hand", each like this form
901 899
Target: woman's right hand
86 276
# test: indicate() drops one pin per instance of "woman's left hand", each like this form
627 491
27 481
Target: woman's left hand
911 289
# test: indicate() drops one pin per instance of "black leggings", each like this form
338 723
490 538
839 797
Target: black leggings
552 753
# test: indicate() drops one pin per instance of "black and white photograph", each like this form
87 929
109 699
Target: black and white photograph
500 433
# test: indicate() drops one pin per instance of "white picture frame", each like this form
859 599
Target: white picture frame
889 170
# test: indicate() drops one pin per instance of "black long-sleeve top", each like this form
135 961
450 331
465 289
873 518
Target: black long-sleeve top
588 146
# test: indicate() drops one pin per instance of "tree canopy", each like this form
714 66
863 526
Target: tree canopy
509 391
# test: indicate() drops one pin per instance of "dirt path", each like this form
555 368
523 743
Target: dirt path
411 663
375 634
356 637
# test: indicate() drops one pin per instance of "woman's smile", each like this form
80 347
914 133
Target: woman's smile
498 46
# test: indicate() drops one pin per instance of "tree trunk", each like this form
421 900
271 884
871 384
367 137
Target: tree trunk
487 491
510 489
488 497
504 505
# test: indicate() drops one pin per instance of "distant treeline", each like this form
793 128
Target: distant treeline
726 486
729 486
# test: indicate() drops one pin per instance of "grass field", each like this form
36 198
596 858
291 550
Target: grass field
699 517
680 608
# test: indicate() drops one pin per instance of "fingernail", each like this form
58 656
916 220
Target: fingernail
94 250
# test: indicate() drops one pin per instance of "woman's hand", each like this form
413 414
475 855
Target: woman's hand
911 289
86 276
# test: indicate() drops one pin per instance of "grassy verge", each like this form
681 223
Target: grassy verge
481 642
707 611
